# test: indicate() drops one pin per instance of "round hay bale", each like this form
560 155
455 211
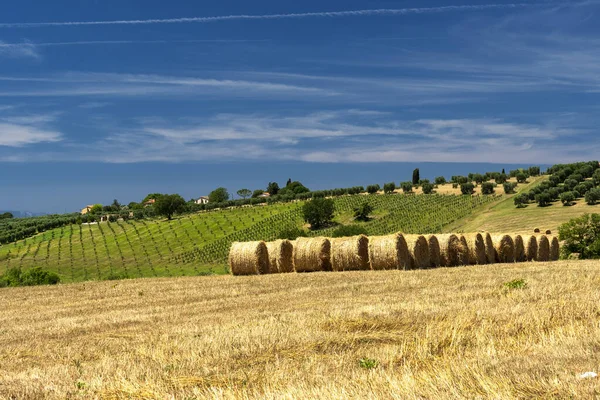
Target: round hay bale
452 251
475 244
548 232
490 250
281 253
249 258
520 254
505 248
536 230
389 252
418 248
543 248
531 247
554 249
435 256
312 254
350 253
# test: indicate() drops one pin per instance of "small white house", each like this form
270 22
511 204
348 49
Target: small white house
202 200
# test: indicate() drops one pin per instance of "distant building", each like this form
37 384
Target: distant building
150 202
86 210
202 200
265 194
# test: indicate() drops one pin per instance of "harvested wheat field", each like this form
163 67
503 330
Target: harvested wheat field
442 333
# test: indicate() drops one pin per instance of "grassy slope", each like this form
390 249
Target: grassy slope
444 333
503 216
199 243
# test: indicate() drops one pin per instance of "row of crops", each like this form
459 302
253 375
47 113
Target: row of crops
199 243
12 230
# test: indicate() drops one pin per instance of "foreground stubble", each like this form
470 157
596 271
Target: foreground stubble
444 333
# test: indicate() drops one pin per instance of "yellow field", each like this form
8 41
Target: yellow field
444 333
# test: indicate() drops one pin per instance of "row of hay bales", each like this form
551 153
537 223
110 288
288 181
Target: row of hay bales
396 251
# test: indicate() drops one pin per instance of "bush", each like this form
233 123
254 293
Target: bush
501 178
543 199
349 230
318 212
592 197
372 189
567 198
581 235
362 213
407 187
521 200
509 187
32 277
521 177
440 180
487 188
389 188
570 184
427 188
467 188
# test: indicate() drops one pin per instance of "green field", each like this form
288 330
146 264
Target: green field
198 244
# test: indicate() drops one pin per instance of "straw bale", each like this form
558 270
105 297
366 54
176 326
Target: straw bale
389 252
543 248
505 248
281 253
520 254
249 258
490 250
554 248
312 254
418 248
435 257
350 253
475 244
452 250
531 247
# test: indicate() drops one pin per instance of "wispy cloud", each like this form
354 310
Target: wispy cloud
15 135
326 14
33 45
18 50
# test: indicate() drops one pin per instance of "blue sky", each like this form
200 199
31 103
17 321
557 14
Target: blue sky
105 99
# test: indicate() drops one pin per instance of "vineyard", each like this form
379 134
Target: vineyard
199 243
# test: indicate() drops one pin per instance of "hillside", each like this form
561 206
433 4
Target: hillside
198 243
445 333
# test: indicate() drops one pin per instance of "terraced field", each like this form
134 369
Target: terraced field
198 244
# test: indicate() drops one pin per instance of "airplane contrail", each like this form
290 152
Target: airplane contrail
326 14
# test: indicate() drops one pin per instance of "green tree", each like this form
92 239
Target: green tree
273 188
567 198
427 188
478 178
170 204
500 179
440 180
349 230
487 188
581 235
467 188
96 209
244 193
592 197
362 212
521 200
218 195
543 199
416 177
389 187
318 212
294 188
372 189
534 171
407 187
257 193
521 177
509 187
6 215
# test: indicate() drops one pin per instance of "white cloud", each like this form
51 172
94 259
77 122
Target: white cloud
14 135
18 50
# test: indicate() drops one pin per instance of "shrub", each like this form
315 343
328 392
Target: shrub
592 197
349 230
567 198
521 177
34 276
368 363
516 284
372 189
467 188
407 187
487 188
582 236
318 212
570 184
543 199
440 180
501 178
362 212
534 171
389 187
521 200
427 188
509 187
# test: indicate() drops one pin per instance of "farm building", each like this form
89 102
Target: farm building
86 210
202 200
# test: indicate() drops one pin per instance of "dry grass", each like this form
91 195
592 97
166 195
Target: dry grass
444 333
